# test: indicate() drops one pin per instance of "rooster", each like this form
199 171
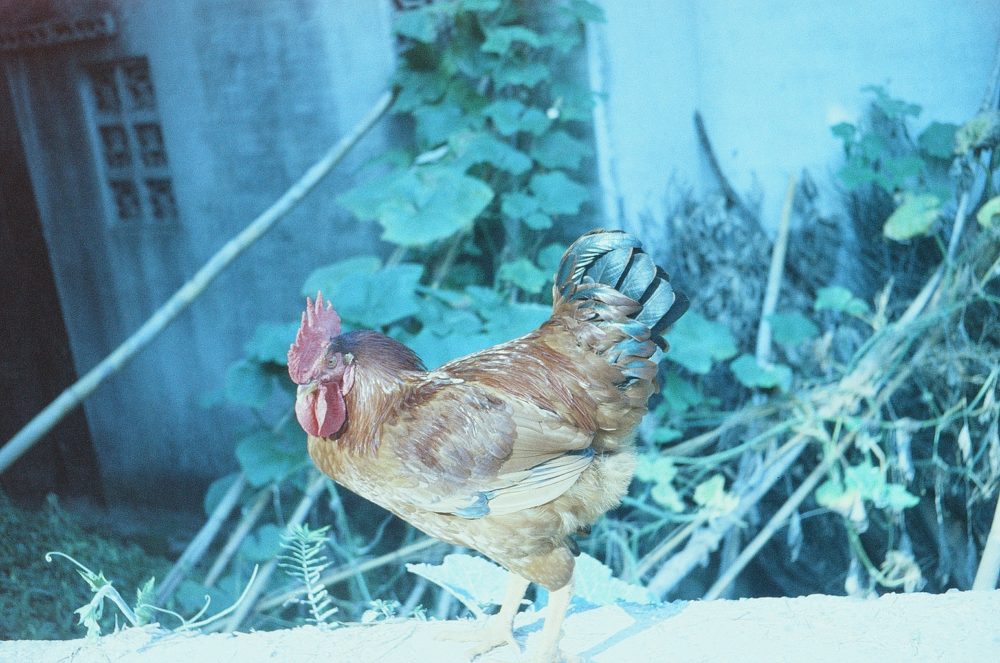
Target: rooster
511 450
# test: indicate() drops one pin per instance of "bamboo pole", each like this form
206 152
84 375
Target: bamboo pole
804 490
202 540
241 532
45 420
989 565
704 540
774 276
257 587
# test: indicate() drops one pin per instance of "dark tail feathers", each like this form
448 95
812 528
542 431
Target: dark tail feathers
610 274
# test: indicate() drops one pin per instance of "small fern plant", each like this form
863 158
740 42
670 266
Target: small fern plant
303 559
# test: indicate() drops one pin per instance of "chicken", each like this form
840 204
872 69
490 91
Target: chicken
511 450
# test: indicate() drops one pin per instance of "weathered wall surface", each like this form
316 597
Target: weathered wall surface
770 78
248 96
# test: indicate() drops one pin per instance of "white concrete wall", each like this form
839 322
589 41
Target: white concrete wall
770 77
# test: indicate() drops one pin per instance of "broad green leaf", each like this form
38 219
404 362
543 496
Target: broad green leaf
867 478
506 115
550 256
474 581
481 5
898 171
528 74
839 298
535 121
562 41
417 88
446 320
752 374
585 11
499 40
378 299
988 215
791 329
507 321
418 24
845 131
913 218
271 341
247 383
573 102
325 279
484 148
654 468
667 496
263 544
145 597
855 174
435 350
538 221
265 456
893 108
557 193
696 342
524 274
837 497
436 122
518 205
938 140
420 205
711 494
872 146
557 149
593 582
897 498
485 300
679 394
981 132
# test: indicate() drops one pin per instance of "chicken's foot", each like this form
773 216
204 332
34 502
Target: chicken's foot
499 628
548 648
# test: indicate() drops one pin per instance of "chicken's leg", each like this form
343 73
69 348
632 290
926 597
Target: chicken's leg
548 649
499 628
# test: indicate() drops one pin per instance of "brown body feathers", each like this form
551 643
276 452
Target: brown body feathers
513 449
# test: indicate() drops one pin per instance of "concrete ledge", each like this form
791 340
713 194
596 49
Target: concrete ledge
957 626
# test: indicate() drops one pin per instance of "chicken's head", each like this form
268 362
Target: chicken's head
324 375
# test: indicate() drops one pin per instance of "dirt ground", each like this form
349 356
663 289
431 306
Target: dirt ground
953 627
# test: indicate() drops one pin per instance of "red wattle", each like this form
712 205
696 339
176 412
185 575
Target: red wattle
330 409
322 412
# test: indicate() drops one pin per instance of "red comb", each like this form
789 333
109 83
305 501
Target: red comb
319 325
